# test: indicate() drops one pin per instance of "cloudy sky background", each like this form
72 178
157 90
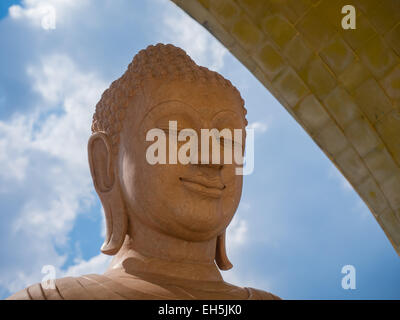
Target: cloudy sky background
299 221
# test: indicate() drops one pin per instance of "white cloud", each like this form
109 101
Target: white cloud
97 264
43 13
46 154
20 278
237 232
103 230
18 132
59 81
258 126
181 30
240 277
62 136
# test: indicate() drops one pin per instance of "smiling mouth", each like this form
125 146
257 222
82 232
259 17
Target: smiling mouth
205 187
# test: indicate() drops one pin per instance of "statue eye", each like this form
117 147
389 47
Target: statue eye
225 142
167 130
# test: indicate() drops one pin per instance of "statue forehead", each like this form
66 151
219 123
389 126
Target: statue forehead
205 98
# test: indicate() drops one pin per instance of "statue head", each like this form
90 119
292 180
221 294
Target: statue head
193 202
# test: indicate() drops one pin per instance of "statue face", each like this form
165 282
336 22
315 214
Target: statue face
194 202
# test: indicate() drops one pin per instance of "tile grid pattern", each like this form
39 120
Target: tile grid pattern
342 86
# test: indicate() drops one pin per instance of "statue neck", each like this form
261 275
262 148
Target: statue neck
146 250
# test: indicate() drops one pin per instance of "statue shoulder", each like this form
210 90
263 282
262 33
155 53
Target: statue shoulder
257 294
69 288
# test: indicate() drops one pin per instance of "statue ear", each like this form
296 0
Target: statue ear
220 254
104 173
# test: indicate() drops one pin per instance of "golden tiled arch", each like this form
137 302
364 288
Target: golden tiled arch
342 86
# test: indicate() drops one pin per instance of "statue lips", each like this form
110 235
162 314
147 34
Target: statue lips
211 188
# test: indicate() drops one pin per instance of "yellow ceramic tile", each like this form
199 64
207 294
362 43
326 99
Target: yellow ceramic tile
261 76
377 56
205 3
290 86
269 60
297 52
385 16
372 100
247 33
253 7
331 139
362 136
389 130
358 37
299 7
381 164
337 54
393 38
352 165
225 11
354 75
331 11
391 83
319 78
283 9
391 188
245 58
312 113
315 29
278 29
367 6
371 192
258 16
342 106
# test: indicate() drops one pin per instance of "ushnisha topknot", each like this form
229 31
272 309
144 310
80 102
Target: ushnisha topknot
162 61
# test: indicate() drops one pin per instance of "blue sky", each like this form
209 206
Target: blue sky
299 221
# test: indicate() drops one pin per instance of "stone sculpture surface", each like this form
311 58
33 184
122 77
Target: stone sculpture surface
165 222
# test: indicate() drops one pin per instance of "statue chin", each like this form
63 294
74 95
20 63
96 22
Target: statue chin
165 223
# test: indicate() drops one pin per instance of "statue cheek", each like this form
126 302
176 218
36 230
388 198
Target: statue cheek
127 176
233 195
230 178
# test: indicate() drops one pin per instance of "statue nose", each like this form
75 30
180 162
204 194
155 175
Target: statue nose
211 165
211 152
206 160
210 170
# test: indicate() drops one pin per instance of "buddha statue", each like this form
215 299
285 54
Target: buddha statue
165 222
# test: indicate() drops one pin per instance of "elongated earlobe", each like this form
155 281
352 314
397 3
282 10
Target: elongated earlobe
116 224
108 188
220 254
